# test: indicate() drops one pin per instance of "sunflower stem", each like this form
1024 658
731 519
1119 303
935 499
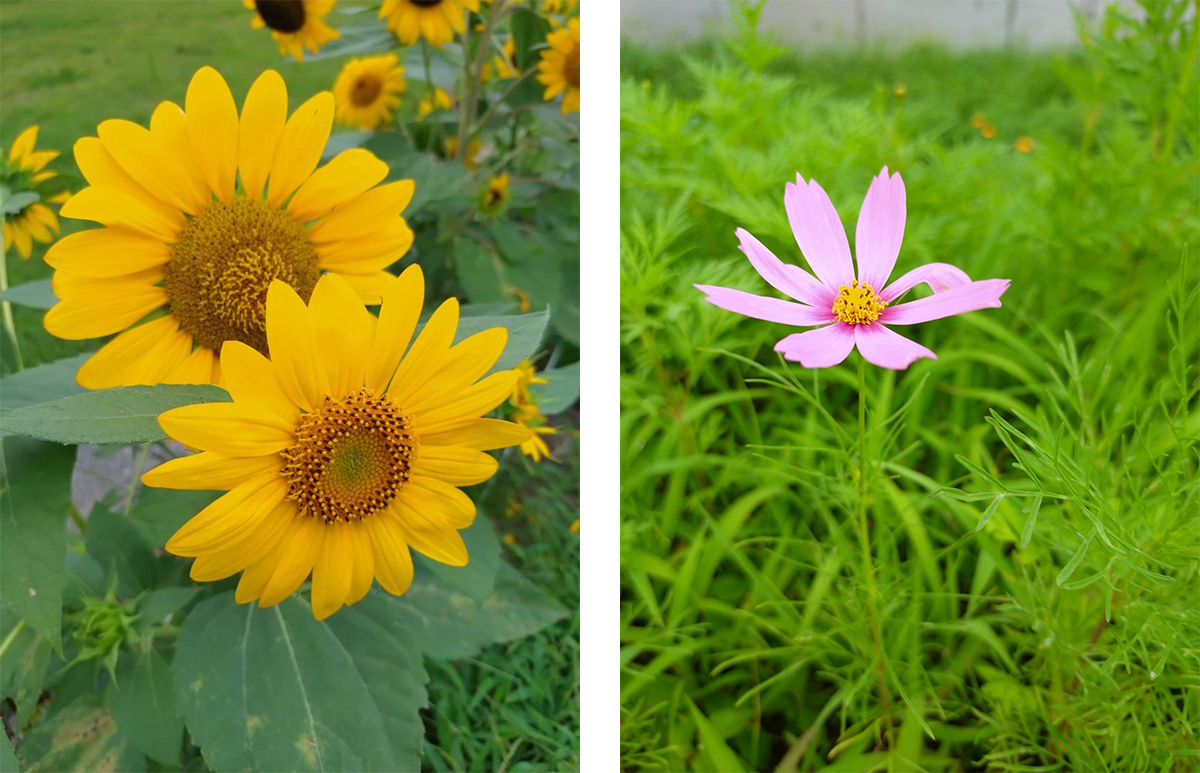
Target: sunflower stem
138 467
12 636
430 89
862 486
77 518
6 313
474 71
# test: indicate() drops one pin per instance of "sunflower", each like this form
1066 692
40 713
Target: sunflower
368 90
201 212
438 99
526 411
25 171
495 196
438 21
295 24
340 452
558 69
474 147
503 67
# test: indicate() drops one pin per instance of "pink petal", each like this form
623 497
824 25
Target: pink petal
769 309
887 349
819 232
939 277
957 300
820 348
880 229
790 280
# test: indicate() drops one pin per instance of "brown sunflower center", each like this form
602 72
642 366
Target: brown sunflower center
426 3
223 263
857 304
366 90
571 67
351 457
281 15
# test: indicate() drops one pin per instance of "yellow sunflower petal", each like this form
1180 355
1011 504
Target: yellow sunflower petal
101 314
139 154
443 545
300 147
462 366
230 516
264 115
370 288
258 573
439 502
250 379
344 329
421 362
114 207
346 220
197 368
212 125
24 143
456 465
349 174
362 562
227 428
248 549
208 471
332 571
296 561
480 434
397 319
377 250
293 346
168 125
471 403
141 355
107 252
393 562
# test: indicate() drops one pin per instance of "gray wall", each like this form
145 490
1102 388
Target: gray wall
957 23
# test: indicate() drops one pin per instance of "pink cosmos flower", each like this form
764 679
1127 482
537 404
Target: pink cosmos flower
850 309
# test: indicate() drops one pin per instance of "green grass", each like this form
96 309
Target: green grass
1028 596
70 65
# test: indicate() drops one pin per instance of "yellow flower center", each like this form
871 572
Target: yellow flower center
281 15
351 458
571 67
857 304
223 263
366 90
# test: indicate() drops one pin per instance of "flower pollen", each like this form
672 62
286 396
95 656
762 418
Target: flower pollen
223 263
351 458
857 304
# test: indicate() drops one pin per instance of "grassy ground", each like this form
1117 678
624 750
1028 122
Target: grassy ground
69 65
801 591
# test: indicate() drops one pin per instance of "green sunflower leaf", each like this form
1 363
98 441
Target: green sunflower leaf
478 577
450 623
81 736
142 701
560 391
525 333
35 494
49 381
13 203
274 689
34 295
121 415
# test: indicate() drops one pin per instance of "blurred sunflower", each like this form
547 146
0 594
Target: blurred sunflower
495 195
474 147
438 21
526 411
503 66
201 212
558 69
24 174
438 99
295 24
340 452
368 90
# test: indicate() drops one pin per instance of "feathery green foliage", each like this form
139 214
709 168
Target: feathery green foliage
1032 495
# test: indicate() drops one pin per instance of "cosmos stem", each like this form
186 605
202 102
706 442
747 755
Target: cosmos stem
6 313
862 486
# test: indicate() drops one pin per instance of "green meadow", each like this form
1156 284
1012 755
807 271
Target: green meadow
996 566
